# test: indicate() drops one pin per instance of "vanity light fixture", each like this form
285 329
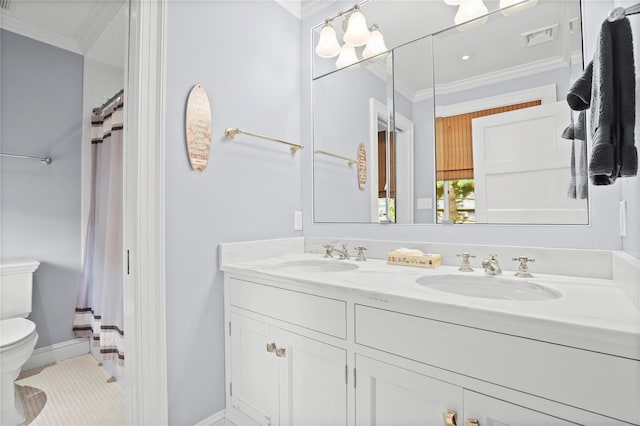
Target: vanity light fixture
328 46
347 56
356 34
376 45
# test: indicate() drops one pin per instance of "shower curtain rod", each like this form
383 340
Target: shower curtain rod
101 108
43 160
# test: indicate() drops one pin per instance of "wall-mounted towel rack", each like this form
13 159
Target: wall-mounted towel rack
620 12
231 133
43 160
349 161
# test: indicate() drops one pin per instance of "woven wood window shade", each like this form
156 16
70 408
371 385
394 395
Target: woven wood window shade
382 165
454 141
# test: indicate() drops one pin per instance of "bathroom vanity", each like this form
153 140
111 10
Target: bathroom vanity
314 340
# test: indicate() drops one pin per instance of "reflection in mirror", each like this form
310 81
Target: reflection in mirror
413 100
342 108
476 112
500 117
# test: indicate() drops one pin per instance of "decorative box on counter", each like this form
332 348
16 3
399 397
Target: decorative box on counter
414 257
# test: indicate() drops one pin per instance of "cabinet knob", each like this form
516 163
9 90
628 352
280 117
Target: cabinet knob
281 352
449 418
472 422
271 347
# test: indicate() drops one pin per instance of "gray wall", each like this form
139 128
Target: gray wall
601 233
247 56
41 110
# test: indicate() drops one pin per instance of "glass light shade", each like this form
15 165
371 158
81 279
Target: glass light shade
347 56
357 33
469 10
328 45
526 4
375 46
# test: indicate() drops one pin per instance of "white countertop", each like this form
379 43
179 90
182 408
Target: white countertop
592 314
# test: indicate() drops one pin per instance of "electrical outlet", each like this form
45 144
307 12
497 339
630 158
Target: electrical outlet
622 212
297 220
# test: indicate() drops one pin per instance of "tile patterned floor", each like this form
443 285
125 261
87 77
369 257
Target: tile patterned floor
73 392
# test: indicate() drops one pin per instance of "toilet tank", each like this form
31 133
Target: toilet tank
16 283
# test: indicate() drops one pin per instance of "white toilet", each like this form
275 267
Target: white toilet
18 335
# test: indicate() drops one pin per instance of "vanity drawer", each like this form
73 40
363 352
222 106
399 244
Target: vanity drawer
317 313
572 376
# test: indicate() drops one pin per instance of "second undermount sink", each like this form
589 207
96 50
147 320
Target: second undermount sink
309 265
489 287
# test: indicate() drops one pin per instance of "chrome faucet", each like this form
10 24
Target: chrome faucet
330 250
491 266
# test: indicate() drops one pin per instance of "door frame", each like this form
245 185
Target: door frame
404 161
144 236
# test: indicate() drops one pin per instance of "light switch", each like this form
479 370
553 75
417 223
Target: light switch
297 220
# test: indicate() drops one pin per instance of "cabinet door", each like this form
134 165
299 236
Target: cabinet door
313 389
391 396
495 412
254 371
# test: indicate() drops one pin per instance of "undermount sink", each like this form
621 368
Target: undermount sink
489 287
329 265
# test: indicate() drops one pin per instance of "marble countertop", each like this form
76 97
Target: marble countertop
592 314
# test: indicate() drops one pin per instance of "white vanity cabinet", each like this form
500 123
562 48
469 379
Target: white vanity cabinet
277 376
302 354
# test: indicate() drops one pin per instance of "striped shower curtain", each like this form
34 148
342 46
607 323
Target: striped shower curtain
98 312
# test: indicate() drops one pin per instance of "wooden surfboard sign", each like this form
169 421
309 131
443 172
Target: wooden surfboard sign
198 127
362 167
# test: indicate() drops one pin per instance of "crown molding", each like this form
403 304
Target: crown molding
302 9
11 23
292 6
518 71
96 22
312 7
556 62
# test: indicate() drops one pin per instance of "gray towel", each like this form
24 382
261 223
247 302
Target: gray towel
576 132
582 181
611 96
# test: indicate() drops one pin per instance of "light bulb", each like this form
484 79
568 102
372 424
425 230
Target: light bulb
526 4
328 45
347 56
470 10
375 46
357 33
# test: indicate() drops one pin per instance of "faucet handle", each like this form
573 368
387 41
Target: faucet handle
465 266
360 253
328 250
523 268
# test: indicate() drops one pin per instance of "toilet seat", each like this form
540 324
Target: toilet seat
14 331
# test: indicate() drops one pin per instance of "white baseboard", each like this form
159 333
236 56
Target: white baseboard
57 352
212 419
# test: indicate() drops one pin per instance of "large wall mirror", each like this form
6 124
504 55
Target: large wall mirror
463 125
